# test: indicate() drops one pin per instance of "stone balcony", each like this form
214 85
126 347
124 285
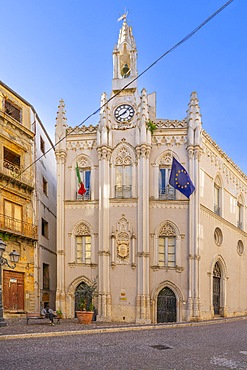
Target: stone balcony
14 174
15 227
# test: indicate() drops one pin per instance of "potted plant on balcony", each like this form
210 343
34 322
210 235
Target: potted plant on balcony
84 295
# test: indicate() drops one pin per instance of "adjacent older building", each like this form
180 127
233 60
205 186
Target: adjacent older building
27 205
46 208
156 254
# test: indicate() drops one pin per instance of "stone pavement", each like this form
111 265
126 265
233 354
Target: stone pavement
17 328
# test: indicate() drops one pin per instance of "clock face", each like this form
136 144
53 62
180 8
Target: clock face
124 113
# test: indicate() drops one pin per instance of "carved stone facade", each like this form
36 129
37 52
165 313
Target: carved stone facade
149 246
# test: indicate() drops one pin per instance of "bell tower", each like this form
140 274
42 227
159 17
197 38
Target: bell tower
124 59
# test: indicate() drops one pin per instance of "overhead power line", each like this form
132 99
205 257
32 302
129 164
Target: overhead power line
186 38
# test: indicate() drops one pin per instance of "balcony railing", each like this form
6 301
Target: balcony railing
217 209
86 196
15 172
240 225
167 193
123 191
17 227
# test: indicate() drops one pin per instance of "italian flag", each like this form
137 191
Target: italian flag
81 189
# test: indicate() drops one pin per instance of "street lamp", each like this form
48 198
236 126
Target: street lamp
14 258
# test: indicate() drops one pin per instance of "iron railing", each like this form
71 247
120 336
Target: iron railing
240 225
16 172
123 191
217 209
17 227
167 193
86 196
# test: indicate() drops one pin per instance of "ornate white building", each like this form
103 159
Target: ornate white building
156 255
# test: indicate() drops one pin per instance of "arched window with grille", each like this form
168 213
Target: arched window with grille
166 191
83 245
84 167
123 172
167 246
161 173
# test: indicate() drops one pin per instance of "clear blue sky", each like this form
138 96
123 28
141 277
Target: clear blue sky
54 49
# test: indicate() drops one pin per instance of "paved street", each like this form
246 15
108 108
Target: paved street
216 346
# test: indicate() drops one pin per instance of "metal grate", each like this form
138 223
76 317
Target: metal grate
160 346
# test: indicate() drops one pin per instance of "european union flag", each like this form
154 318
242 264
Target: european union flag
180 179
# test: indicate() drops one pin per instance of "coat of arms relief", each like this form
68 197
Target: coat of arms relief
123 236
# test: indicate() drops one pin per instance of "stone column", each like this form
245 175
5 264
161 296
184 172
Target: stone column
143 298
104 299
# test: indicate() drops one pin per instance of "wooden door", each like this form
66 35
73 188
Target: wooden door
13 291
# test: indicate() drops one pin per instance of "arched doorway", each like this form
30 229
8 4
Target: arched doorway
77 297
216 288
166 306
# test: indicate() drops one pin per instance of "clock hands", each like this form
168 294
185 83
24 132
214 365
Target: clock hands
124 113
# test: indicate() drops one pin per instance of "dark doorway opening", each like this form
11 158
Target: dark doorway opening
166 306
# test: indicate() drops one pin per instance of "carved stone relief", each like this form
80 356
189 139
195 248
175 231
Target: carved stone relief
123 238
82 229
167 230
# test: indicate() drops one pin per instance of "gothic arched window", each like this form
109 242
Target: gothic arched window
166 191
83 244
85 178
167 246
123 172
162 169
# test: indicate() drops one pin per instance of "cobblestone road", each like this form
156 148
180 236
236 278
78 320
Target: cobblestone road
219 346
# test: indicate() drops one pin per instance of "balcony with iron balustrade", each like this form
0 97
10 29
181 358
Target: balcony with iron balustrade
167 193
15 174
15 227
123 191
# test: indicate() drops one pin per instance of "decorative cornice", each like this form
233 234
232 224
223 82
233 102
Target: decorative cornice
207 212
169 141
15 125
156 268
82 130
169 204
70 204
207 137
124 203
74 264
171 124
103 253
81 144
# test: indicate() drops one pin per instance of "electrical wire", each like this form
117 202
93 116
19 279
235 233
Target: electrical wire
186 38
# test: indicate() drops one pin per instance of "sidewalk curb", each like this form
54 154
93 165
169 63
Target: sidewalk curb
118 329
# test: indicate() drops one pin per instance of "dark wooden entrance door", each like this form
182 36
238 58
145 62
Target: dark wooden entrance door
216 288
166 306
13 291
216 295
